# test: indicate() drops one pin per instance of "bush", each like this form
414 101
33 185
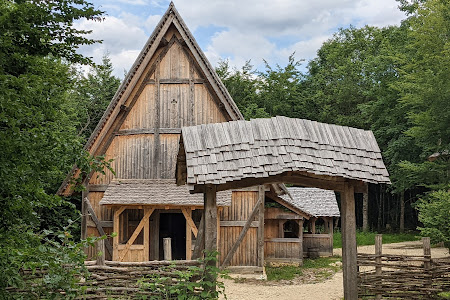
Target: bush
434 211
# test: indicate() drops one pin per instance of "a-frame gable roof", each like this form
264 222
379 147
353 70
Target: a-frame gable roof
171 18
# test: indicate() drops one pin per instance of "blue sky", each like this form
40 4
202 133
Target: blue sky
235 30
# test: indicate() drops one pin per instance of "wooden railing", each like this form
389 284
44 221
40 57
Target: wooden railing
283 249
321 243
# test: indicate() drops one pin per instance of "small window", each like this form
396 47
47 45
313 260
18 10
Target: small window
290 229
128 222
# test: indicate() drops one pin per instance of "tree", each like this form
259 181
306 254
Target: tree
92 94
242 86
37 136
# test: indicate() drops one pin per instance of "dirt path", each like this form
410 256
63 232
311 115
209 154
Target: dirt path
328 290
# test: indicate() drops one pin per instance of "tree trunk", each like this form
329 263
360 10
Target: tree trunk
366 208
402 212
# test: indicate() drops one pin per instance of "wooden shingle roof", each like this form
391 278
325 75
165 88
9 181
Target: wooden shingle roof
314 201
155 192
236 150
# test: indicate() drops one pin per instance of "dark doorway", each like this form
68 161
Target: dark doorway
173 225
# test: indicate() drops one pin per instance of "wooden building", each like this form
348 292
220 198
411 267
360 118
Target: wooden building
170 85
305 230
282 150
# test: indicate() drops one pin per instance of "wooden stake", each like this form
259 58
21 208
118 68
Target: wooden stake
349 243
378 252
167 244
100 253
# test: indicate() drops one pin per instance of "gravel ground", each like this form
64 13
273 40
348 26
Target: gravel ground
327 290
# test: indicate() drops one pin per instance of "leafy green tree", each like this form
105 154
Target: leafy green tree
92 94
242 86
434 215
279 89
38 137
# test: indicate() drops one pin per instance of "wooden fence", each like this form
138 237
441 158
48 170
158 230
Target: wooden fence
121 280
401 276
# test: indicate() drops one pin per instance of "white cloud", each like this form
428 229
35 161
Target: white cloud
251 29
122 40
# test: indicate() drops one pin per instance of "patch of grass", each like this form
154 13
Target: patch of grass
321 267
444 295
368 238
321 262
283 272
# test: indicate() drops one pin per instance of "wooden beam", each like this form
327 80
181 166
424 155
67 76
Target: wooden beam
261 196
188 235
298 178
189 221
177 81
97 224
210 214
233 249
116 230
136 232
84 195
253 224
200 241
349 253
97 187
148 131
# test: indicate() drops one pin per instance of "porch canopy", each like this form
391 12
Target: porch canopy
239 154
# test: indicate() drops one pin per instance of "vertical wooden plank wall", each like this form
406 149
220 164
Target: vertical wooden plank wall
242 204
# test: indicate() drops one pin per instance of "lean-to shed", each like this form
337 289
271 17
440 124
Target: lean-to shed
293 230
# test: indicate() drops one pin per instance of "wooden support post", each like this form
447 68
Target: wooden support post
167 244
84 195
366 208
188 236
300 237
116 230
349 243
210 216
378 253
281 228
100 253
261 198
313 225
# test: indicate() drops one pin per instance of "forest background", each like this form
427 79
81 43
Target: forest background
393 81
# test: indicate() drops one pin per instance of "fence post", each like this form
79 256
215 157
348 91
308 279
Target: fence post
427 260
378 253
100 252
167 242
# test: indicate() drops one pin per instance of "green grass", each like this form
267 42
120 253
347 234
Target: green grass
444 295
368 238
283 273
322 265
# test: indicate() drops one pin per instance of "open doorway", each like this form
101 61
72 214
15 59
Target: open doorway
173 225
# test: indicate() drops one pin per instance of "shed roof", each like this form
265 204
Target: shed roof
314 201
155 192
232 151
